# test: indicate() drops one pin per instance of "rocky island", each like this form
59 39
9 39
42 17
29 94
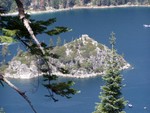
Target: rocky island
83 57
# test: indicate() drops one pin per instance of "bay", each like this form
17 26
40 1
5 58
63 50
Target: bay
132 40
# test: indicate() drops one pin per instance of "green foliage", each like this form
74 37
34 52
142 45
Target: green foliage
3 67
10 33
7 36
112 40
60 51
86 64
6 39
62 88
69 53
39 27
89 50
57 31
24 57
14 27
111 96
111 100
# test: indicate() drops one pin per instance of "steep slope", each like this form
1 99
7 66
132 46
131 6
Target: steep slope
86 56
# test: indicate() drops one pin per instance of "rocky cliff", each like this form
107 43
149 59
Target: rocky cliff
83 57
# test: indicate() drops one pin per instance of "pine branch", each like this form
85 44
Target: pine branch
28 27
39 50
26 24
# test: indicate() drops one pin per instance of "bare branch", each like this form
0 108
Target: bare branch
21 93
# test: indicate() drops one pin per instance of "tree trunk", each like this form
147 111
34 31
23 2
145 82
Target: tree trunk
27 25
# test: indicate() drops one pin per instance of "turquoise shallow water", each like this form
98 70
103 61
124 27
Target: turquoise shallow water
132 40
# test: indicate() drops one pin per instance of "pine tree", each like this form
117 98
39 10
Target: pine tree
111 96
2 110
58 41
51 42
5 52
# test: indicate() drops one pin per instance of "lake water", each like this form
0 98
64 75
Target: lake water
133 40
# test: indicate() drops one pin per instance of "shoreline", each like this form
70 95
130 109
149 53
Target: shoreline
52 10
81 76
78 76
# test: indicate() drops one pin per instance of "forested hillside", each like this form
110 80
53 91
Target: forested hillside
46 4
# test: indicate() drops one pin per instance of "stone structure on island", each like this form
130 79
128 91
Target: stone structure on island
83 57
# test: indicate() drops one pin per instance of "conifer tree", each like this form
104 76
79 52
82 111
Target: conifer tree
5 52
111 97
51 42
58 41
2 110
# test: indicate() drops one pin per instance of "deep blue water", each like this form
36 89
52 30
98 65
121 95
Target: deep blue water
132 40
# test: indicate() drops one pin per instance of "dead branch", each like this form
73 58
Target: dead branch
2 78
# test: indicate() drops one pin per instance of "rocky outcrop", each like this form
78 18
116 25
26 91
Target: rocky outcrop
18 70
83 57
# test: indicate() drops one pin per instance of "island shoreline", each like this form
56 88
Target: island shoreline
79 76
